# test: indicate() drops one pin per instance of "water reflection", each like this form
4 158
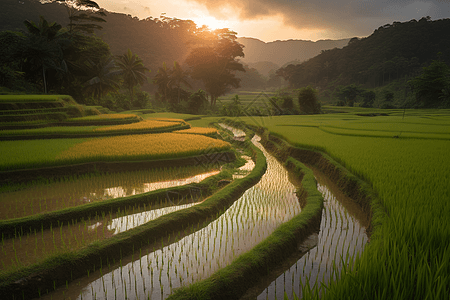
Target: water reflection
251 219
74 192
342 236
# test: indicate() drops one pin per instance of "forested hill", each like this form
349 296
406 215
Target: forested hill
156 43
393 51
154 40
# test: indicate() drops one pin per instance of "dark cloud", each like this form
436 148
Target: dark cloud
353 16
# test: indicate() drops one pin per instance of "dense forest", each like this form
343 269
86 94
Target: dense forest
392 55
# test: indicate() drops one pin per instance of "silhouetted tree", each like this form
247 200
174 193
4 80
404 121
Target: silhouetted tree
215 64
349 93
196 101
430 87
42 48
368 98
177 77
105 80
308 101
133 71
162 79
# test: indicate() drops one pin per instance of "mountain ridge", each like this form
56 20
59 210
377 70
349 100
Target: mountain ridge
286 51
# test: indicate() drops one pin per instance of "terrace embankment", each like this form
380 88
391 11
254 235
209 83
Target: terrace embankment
28 175
35 280
245 271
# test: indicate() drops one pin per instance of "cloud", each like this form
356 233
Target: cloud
353 16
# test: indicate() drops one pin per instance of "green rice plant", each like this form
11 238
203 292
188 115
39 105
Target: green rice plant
410 177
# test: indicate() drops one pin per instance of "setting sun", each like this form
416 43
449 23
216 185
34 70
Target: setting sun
211 22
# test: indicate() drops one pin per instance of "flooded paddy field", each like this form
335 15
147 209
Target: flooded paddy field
341 238
29 247
154 275
153 272
71 192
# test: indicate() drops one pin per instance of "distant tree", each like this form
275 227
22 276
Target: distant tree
349 93
162 79
196 101
308 100
368 98
388 100
177 77
215 64
133 71
430 87
105 77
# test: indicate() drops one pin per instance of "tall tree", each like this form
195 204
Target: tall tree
105 77
43 48
431 87
215 64
177 77
132 71
308 101
162 79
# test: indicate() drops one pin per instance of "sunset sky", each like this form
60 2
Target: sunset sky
270 20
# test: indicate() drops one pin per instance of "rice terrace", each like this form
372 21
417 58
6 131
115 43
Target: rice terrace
201 165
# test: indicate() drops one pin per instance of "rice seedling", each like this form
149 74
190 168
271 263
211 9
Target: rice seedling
74 235
340 240
202 253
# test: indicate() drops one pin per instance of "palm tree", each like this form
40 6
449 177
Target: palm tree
162 79
132 71
105 77
43 48
178 77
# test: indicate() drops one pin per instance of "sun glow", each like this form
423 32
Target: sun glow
211 22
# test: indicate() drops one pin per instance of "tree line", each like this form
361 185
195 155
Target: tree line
49 58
